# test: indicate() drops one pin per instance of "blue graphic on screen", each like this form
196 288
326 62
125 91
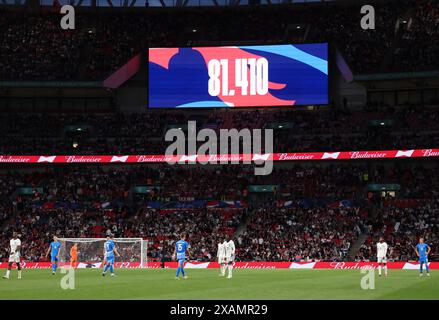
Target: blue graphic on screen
244 76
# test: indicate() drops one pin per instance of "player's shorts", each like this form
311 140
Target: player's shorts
181 258
230 259
423 260
382 259
15 257
109 260
53 258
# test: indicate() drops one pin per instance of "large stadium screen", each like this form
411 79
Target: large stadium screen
244 76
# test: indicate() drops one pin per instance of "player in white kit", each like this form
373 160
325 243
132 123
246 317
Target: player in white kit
382 256
14 255
221 255
230 256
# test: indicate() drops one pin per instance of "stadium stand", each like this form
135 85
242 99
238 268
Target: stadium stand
406 31
317 212
410 128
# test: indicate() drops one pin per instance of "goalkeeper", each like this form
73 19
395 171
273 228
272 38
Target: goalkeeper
74 256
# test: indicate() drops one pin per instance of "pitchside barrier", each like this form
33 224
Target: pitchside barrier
240 265
296 156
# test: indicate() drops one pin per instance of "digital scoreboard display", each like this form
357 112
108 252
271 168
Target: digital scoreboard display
244 76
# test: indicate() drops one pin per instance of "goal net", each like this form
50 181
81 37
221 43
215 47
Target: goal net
133 251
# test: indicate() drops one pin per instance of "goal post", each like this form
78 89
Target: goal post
91 251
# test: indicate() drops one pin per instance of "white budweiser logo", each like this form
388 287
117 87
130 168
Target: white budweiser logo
430 153
254 266
83 159
344 266
225 158
191 158
402 153
46 159
261 156
296 156
119 159
329 155
153 158
10 159
366 155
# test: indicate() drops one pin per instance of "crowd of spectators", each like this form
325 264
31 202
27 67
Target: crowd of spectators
64 202
205 228
328 209
401 227
89 202
418 39
296 234
295 130
34 47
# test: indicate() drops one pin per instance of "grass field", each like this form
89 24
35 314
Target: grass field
206 284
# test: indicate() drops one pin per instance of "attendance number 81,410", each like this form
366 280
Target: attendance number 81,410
251 76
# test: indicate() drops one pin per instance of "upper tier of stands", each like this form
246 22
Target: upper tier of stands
35 48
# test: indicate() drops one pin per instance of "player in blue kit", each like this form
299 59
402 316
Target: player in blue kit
55 245
423 250
181 247
109 251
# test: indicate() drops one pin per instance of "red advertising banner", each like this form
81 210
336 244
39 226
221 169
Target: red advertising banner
296 156
404 265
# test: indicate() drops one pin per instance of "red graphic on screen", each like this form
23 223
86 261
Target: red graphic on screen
162 56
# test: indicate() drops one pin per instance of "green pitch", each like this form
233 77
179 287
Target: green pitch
206 284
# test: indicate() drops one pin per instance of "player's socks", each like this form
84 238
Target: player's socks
182 272
19 274
427 268
106 268
379 270
230 271
6 276
178 272
112 269
385 271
